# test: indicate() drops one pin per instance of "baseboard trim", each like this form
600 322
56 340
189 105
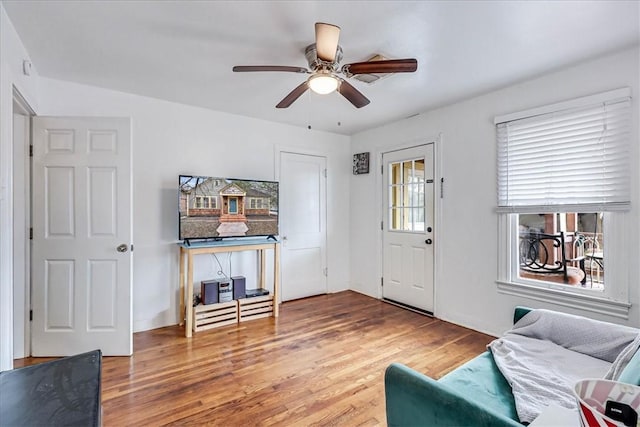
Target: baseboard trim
408 307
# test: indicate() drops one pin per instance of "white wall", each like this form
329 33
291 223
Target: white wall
169 139
466 291
12 54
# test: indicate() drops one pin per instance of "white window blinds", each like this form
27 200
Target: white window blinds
571 159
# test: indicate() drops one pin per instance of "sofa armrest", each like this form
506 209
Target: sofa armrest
415 399
519 313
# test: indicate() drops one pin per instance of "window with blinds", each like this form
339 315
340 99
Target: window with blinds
564 182
574 159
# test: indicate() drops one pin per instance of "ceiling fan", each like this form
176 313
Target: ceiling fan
324 57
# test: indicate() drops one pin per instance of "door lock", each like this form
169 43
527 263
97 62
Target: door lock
428 241
122 248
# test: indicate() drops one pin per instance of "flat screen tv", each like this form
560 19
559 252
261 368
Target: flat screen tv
217 208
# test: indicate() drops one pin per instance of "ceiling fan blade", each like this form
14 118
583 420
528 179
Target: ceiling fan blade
293 95
352 94
248 68
327 36
408 65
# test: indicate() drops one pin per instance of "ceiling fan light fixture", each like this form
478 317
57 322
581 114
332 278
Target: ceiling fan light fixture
323 83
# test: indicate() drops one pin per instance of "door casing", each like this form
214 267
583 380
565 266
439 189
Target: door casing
22 222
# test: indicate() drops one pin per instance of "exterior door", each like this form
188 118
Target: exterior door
408 227
233 205
303 213
81 258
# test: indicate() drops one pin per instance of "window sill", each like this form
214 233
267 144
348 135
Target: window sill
568 299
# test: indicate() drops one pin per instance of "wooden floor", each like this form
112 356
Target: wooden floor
321 362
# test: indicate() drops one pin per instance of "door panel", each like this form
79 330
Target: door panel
81 285
418 255
102 195
59 202
408 217
303 225
395 263
102 290
59 291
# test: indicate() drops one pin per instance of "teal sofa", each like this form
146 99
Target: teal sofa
475 393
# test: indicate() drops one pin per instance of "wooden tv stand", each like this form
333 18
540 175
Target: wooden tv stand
187 251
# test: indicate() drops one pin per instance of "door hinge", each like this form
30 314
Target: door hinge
131 248
382 281
382 225
31 315
31 233
382 169
442 188
325 173
30 150
325 271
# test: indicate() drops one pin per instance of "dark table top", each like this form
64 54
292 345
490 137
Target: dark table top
61 392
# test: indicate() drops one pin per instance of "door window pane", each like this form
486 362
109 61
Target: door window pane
418 219
395 195
406 195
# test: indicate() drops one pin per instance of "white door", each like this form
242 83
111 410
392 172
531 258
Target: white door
408 227
303 225
81 257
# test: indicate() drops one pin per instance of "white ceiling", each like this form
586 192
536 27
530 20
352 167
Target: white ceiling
183 51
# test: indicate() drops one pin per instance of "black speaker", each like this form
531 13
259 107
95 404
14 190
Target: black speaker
239 287
209 291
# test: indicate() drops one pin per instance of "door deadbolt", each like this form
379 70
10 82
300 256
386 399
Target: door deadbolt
429 229
122 248
428 241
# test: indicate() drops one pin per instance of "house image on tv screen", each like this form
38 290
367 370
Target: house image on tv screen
218 207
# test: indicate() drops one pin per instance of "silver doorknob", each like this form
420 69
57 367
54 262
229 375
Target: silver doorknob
122 248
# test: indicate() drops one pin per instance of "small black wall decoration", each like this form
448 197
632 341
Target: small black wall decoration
360 163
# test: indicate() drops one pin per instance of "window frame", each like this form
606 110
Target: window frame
614 300
212 201
254 201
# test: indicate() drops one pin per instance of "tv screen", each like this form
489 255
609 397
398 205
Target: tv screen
215 208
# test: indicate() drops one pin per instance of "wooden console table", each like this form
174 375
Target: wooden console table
186 256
